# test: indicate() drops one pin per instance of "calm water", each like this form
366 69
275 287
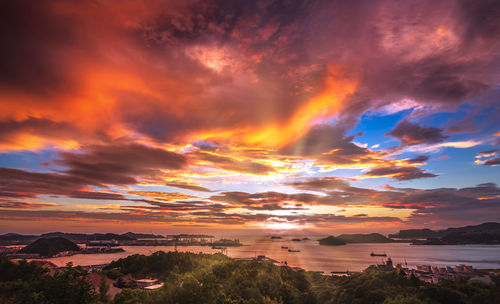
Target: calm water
312 256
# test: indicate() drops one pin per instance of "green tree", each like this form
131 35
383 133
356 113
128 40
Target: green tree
103 288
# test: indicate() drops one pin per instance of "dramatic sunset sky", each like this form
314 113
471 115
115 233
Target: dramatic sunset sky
248 116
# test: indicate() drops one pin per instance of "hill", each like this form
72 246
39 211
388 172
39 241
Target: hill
80 237
49 247
428 233
414 234
364 238
331 241
472 237
136 236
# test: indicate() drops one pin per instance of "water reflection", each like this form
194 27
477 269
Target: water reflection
312 256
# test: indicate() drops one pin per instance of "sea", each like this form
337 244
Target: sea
315 257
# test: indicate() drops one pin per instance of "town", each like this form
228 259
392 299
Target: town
438 274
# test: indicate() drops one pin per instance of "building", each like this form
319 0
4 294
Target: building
95 280
436 275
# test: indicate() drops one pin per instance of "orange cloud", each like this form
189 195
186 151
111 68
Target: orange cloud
338 86
167 196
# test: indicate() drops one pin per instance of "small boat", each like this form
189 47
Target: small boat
293 250
284 247
378 254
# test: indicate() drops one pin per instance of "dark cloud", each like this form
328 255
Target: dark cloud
399 173
188 186
30 184
96 166
414 134
23 215
465 125
471 204
320 184
39 127
444 82
33 34
96 195
119 163
492 162
24 205
482 20
418 160
488 152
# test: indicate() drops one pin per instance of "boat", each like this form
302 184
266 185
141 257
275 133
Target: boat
378 254
284 247
293 250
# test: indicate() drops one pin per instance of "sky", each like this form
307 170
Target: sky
248 117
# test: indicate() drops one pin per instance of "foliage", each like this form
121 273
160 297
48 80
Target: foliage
103 289
203 278
28 283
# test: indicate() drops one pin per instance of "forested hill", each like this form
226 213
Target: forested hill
486 233
48 247
331 241
364 238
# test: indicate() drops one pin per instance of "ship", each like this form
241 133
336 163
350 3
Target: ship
293 250
284 247
378 254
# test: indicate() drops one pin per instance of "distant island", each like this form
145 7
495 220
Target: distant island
356 238
49 247
486 233
365 238
331 241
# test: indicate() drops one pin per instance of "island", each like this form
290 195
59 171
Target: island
331 241
486 233
365 238
49 247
